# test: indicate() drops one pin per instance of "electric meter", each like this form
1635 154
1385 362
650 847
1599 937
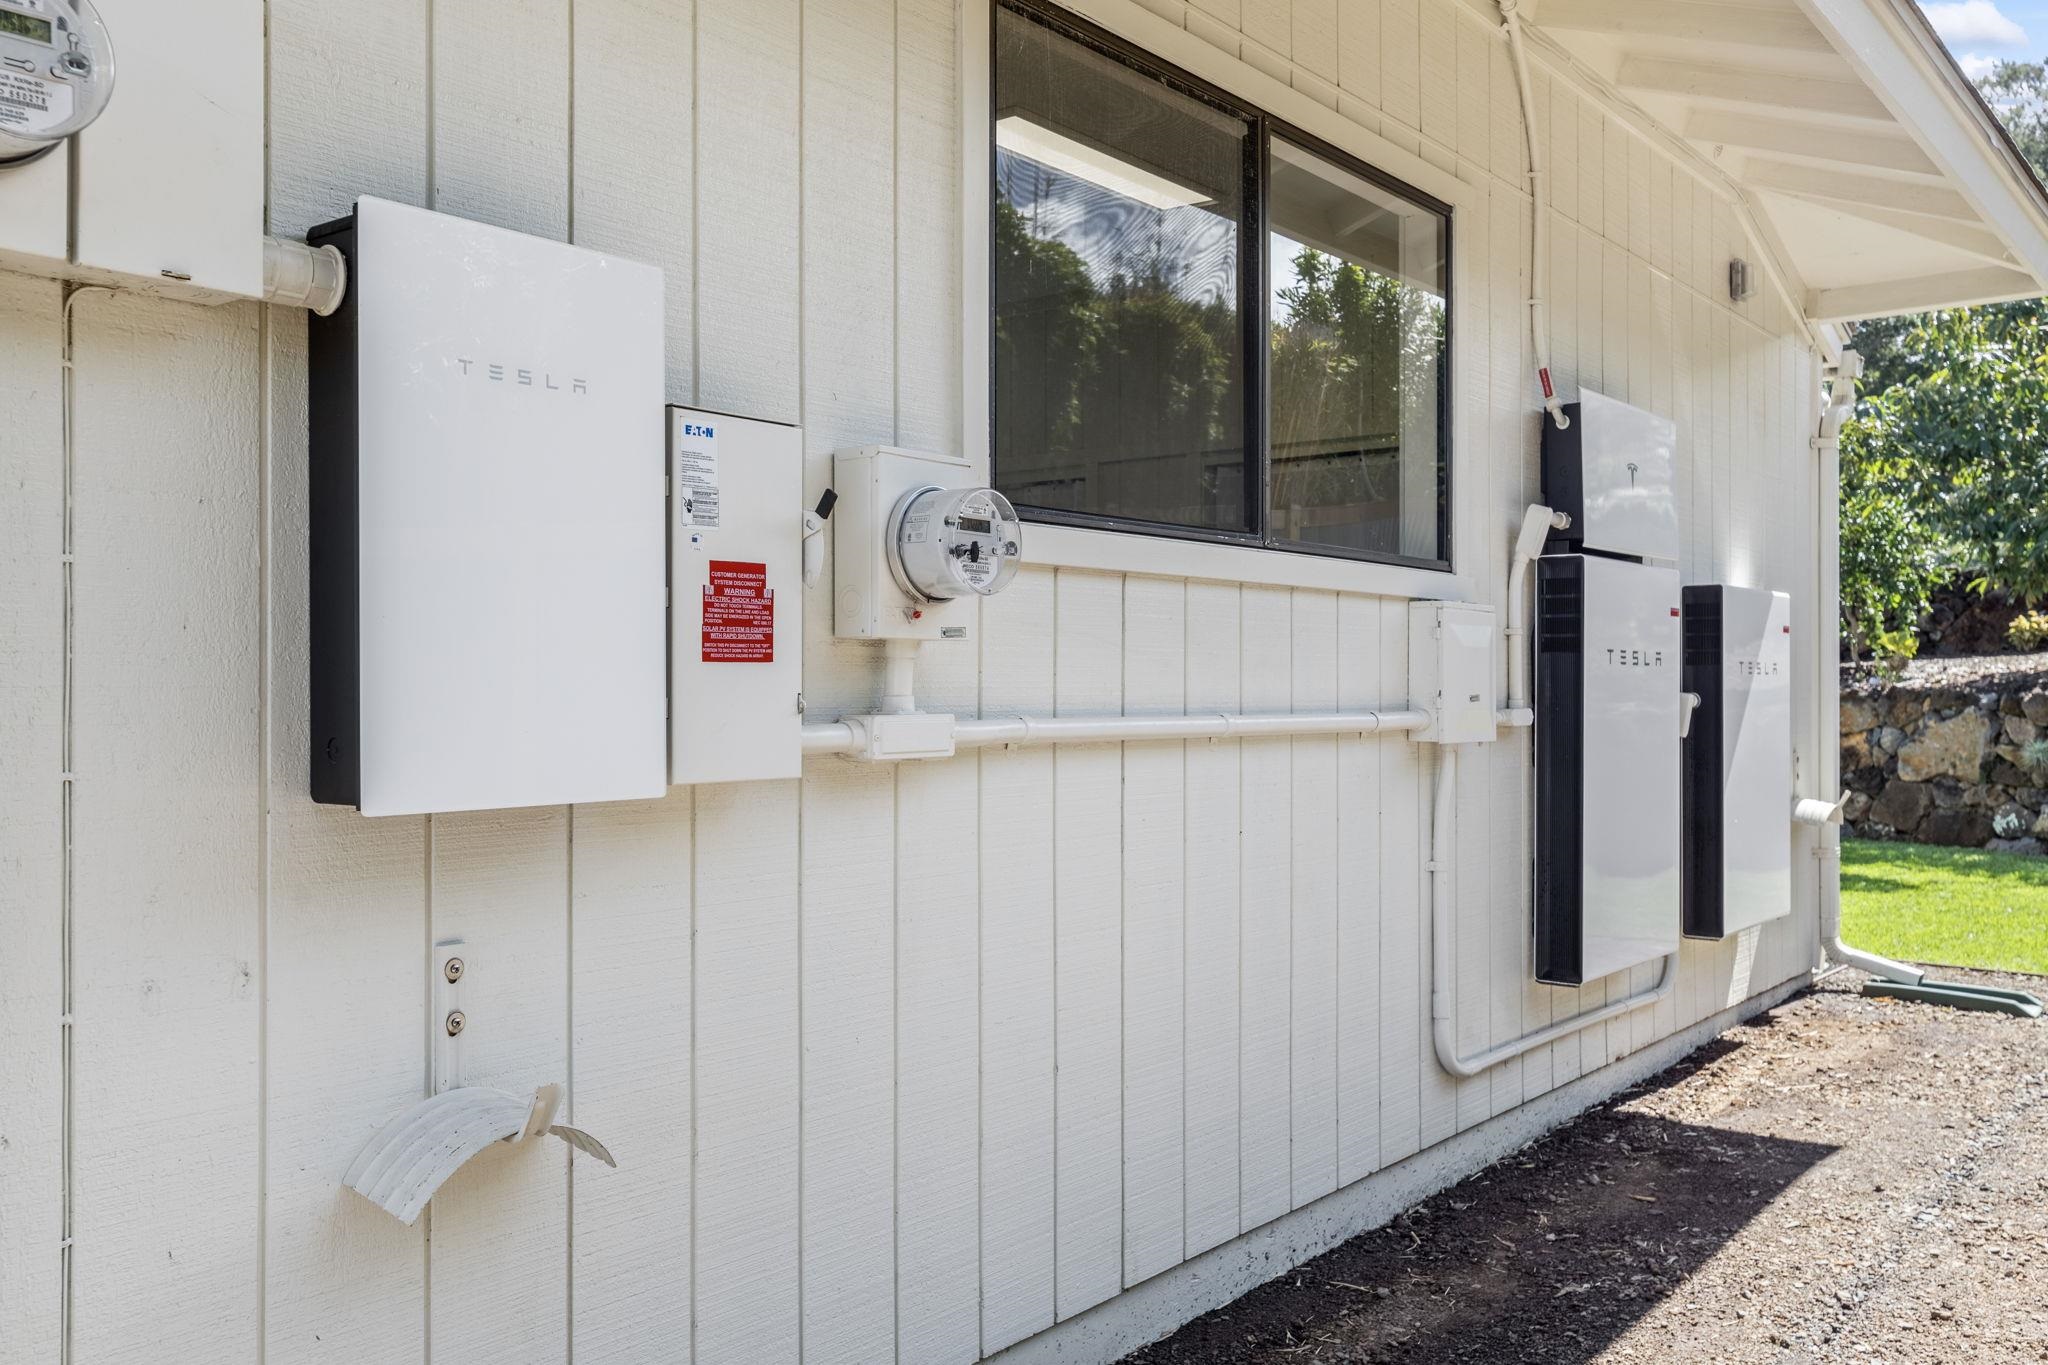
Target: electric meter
953 542
56 74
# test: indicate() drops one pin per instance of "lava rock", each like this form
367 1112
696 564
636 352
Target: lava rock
2035 706
1956 828
1902 805
1946 748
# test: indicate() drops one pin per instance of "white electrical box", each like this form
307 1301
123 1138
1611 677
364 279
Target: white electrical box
1450 670
892 501
170 181
1607 766
1611 472
736 666
1738 759
488 566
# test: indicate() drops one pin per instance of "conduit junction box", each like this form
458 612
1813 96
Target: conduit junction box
1450 670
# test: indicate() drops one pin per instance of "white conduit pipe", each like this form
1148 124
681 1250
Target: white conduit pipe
1828 855
1539 216
296 275
837 737
1443 940
1537 524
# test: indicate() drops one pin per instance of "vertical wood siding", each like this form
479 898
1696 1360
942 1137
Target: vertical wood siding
899 1062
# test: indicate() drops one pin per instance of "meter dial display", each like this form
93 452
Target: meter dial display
954 542
56 73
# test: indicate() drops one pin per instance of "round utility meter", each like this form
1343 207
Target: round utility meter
56 73
953 542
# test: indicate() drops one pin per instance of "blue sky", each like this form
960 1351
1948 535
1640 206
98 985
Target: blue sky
1982 32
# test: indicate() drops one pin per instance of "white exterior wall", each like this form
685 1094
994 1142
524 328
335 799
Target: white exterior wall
966 1048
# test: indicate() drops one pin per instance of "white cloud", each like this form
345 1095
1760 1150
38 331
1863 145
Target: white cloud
1976 65
1975 22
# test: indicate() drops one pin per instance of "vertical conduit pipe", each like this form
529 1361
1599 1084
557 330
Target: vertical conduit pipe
1828 853
1539 216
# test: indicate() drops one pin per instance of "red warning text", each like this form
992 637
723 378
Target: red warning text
739 614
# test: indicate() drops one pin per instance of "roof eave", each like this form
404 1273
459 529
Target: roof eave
1898 54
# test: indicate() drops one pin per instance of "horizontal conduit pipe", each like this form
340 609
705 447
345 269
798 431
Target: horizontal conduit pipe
838 737
1442 946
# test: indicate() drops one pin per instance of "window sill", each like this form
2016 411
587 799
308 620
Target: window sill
1073 547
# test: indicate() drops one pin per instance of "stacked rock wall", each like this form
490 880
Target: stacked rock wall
1940 763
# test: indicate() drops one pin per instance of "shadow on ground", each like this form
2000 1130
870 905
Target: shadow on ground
1548 1256
1841 1179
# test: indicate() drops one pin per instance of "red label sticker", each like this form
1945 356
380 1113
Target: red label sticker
739 614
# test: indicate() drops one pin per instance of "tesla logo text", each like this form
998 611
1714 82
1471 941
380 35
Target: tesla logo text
1756 668
1635 658
498 373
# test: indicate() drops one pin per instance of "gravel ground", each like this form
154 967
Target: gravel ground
1964 673
1840 1179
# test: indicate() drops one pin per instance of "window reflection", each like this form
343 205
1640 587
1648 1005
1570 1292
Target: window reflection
1118 344
1357 338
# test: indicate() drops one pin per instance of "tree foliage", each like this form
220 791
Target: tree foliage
1945 465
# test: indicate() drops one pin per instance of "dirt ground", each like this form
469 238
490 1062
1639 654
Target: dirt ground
1841 1179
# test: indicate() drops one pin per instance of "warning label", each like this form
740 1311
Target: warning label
31 104
739 614
697 473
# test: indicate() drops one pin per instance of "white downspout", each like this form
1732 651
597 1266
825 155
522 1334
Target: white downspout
1828 853
1539 216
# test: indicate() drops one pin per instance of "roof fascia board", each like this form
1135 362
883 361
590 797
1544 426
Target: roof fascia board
1990 284
1899 57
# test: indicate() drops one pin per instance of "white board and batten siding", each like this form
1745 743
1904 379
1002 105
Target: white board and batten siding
906 1063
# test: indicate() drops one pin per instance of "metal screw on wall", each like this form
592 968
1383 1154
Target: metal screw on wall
455 1022
452 969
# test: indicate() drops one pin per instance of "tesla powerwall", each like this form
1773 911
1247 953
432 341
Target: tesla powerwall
1738 759
1610 471
1607 766
488 565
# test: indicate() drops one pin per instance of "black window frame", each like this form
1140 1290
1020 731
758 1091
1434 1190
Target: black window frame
1254 285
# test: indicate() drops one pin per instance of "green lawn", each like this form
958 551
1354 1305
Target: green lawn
1960 906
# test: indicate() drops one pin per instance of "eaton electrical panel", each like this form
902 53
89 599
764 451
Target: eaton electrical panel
1607 766
736 529
1450 670
1738 759
488 566
1610 471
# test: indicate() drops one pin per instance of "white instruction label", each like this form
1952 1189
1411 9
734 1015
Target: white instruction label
30 104
697 473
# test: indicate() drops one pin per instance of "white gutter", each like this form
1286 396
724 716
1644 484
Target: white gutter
1828 853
